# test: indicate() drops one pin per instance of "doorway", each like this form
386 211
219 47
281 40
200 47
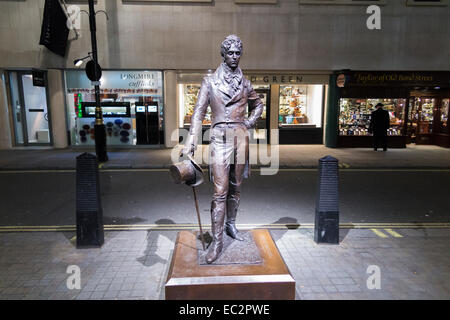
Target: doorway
420 119
30 110
262 129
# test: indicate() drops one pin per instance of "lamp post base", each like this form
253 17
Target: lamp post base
100 142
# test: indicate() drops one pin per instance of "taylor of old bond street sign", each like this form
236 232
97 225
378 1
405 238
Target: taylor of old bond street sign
398 78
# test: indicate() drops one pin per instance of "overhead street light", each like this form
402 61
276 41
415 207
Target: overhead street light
78 62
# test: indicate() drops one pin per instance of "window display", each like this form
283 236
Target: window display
444 115
426 116
354 118
188 94
420 116
117 119
126 88
300 105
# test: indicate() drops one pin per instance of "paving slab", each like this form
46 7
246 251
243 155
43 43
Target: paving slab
416 266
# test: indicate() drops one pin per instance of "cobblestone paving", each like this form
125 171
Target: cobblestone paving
134 265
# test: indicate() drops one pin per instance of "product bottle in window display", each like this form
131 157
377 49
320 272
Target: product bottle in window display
227 92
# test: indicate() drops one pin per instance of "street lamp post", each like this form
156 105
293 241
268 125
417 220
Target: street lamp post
99 127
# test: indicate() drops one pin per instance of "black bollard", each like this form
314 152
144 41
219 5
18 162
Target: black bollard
326 228
89 208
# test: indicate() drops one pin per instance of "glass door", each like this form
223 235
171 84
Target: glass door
426 115
420 118
16 105
30 110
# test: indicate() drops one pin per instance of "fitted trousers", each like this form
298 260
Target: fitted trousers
229 149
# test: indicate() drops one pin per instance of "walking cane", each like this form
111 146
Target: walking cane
179 172
198 211
198 216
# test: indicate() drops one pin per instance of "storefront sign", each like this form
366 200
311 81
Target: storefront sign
398 78
340 81
123 80
277 78
262 78
287 79
38 78
140 80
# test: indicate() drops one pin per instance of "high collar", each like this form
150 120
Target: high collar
228 70
225 72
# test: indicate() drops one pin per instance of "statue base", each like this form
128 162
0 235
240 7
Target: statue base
264 276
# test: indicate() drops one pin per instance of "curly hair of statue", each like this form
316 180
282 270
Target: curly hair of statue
228 42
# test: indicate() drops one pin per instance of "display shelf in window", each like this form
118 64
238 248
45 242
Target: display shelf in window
444 109
420 116
426 116
190 95
355 114
293 105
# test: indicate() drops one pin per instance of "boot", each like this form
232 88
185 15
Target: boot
217 220
232 207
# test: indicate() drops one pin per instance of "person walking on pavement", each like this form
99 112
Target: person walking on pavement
379 124
227 92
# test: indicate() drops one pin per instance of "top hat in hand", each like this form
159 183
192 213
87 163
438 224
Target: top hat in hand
188 172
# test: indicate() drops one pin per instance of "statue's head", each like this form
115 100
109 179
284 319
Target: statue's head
231 51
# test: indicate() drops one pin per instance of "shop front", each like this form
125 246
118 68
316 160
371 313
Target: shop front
132 103
417 103
293 103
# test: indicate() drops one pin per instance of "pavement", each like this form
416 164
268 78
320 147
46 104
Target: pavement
366 264
412 260
287 156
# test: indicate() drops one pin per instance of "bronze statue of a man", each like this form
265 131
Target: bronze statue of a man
228 92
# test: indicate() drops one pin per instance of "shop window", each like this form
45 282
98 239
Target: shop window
354 118
188 94
421 115
300 106
444 109
123 94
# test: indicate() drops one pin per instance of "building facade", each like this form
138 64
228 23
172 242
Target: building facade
154 53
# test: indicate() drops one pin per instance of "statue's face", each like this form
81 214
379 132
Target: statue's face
232 57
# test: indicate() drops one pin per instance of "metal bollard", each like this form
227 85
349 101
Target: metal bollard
89 208
326 227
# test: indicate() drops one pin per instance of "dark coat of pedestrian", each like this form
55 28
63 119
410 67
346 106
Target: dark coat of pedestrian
379 124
